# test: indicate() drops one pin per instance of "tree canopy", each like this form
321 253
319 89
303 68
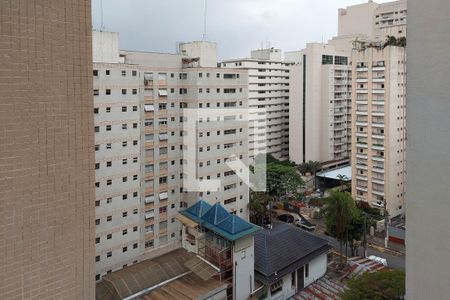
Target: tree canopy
282 178
380 285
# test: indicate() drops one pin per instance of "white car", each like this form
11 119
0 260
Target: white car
379 260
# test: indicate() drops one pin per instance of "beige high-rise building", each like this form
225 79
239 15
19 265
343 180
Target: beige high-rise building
372 21
378 126
268 101
141 109
319 104
47 151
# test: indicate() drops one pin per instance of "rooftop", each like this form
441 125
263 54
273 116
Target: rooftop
176 273
283 249
333 174
217 219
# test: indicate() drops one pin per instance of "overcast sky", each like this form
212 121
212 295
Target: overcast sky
238 26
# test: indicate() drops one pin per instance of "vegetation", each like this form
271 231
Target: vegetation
343 180
380 285
393 41
309 167
282 180
343 219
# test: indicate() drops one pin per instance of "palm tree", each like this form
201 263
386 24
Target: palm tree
339 212
342 180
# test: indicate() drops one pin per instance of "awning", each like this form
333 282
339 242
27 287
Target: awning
186 221
149 107
148 76
163 196
201 268
149 214
162 92
149 199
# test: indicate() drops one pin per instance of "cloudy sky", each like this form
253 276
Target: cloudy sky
236 25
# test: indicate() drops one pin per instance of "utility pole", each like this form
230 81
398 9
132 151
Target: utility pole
364 236
386 220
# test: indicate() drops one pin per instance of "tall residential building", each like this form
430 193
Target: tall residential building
378 126
372 21
268 101
319 104
143 102
427 187
47 150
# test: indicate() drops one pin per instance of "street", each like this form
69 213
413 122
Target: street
395 260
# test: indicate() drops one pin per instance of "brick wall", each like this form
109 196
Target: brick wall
46 150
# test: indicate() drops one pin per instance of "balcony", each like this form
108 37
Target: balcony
378 158
377 180
378 113
377 124
378 136
378 68
377 169
362 69
361 167
361 112
361 79
361 188
378 192
361 177
378 91
378 79
362 156
361 145
361 91
378 147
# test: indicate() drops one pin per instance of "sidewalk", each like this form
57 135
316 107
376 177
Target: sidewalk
378 243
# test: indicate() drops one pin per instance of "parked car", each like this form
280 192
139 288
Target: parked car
305 224
379 260
286 218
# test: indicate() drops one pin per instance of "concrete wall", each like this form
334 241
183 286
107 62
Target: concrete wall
243 261
428 156
46 150
206 51
105 47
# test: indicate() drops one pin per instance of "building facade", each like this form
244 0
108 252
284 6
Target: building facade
143 102
319 103
378 124
268 101
372 21
427 207
47 151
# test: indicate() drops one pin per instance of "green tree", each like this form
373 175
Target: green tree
380 285
282 178
340 211
258 206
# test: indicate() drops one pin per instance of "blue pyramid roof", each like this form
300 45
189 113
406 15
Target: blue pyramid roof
234 225
216 214
197 210
217 219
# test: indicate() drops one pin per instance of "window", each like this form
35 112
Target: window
109 182
97 222
97 166
97 147
124 91
95 72
108 109
108 127
97 129
96 92
124 214
135 245
134 108
124 108
149 244
97 240
109 254
327 59
109 218
109 236
108 92
135 228
108 72
124 73
306 270
340 60
134 73
276 287
97 258
97 203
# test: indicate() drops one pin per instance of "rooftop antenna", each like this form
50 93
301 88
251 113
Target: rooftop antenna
102 27
204 20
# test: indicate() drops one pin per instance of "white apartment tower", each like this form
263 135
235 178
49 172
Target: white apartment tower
140 99
268 101
378 124
319 104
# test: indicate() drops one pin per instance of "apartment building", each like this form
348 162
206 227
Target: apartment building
373 21
143 102
427 187
47 151
268 101
319 104
378 126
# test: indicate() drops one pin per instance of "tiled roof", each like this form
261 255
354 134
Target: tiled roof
217 219
283 248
